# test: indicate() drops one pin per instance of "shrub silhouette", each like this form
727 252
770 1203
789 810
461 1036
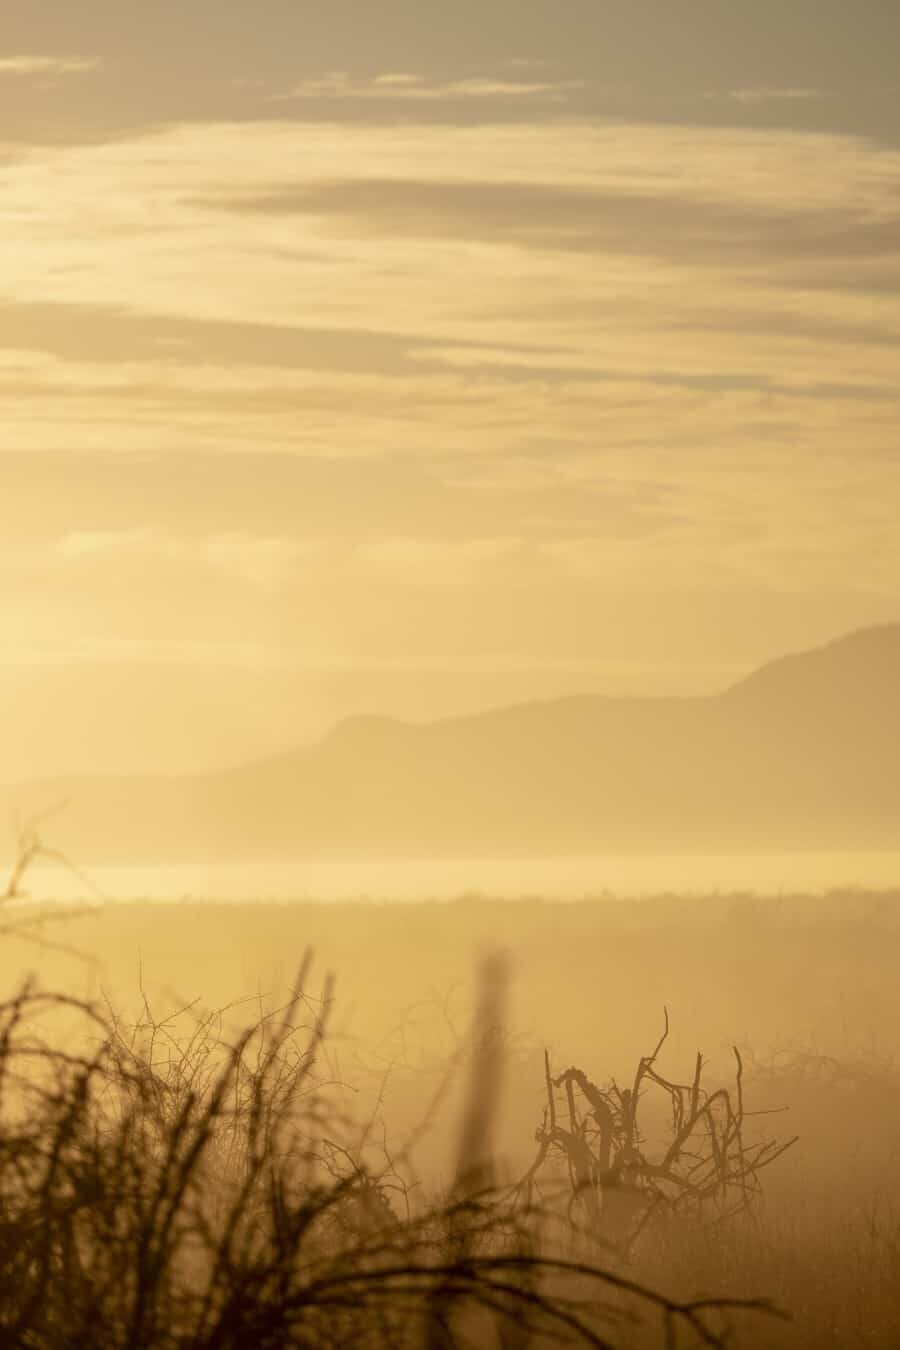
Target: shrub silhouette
704 1167
162 1186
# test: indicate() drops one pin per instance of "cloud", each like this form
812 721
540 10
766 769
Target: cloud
764 95
32 65
262 560
96 543
547 216
273 560
104 333
645 301
402 85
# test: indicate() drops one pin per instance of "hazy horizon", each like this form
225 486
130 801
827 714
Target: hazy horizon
459 701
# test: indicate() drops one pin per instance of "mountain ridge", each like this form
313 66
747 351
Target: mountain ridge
802 752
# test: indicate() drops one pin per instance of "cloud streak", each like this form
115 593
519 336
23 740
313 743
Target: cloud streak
399 86
32 66
762 95
574 219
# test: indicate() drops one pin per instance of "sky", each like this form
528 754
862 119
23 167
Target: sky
414 357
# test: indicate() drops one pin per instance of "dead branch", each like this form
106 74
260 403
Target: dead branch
706 1168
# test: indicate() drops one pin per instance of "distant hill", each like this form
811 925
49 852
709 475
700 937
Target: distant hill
804 753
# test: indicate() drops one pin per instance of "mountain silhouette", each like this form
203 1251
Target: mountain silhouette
803 753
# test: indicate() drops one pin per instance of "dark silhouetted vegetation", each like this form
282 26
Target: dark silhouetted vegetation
162 1187
703 1168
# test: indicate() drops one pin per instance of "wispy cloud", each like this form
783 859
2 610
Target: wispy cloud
754 94
259 559
28 64
397 85
621 220
556 297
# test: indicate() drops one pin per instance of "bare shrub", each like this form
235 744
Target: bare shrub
702 1166
164 1186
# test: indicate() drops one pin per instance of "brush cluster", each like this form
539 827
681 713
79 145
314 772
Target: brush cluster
165 1186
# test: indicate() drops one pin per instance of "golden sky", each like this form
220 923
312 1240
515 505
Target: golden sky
412 357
